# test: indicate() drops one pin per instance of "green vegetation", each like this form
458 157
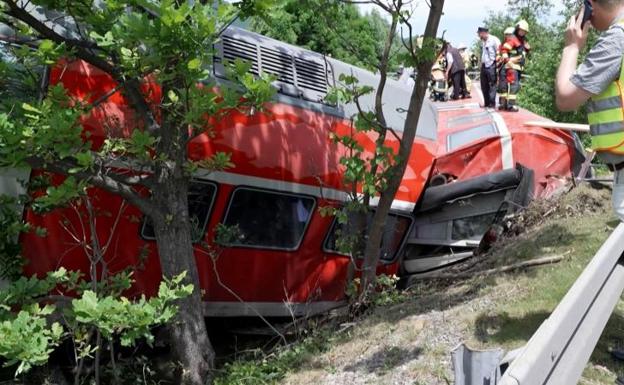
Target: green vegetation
29 337
332 28
260 367
142 46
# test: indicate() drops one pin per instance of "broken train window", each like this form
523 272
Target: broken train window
201 197
267 219
394 233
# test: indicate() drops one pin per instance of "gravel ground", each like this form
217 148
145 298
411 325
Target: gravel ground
402 345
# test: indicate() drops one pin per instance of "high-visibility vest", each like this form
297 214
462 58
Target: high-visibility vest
606 116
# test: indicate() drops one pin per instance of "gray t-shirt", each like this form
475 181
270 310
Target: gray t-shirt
603 63
602 67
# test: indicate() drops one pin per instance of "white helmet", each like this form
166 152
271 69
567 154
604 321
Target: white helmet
462 46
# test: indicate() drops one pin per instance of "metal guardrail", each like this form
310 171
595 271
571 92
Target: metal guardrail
559 350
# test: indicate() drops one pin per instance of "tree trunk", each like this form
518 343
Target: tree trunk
371 253
191 347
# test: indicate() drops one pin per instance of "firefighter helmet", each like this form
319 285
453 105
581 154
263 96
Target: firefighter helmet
523 25
509 31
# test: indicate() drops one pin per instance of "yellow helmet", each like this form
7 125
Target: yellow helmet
523 25
509 31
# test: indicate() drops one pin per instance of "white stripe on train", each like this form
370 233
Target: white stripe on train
291 187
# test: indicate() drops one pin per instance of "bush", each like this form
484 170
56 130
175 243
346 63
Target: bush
92 322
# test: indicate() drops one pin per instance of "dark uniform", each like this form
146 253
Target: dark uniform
457 73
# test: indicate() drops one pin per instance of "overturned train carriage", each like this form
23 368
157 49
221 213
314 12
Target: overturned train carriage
466 162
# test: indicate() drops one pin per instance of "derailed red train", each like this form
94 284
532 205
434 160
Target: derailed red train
465 165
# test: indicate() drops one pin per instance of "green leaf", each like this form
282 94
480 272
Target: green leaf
194 64
30 108
46 45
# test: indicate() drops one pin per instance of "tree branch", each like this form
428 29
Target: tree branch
105 182
131 86
80 46
499 270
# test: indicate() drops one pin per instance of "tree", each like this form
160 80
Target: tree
380 176
529 9
166 44
332 28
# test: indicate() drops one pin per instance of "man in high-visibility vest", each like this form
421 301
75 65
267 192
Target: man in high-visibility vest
599 80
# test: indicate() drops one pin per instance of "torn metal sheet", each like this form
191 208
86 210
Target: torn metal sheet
476 367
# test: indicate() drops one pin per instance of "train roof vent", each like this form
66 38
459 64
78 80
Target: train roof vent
312 78
279 64
298 73
240 49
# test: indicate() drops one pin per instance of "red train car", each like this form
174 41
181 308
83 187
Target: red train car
286 167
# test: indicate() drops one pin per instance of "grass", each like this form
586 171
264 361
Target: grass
410 342
511 323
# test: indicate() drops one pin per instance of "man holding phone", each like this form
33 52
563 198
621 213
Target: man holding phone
599 82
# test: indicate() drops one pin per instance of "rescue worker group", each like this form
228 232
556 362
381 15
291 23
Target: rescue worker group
500 68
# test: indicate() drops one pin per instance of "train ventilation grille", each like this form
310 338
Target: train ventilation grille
311 75
301 77
239 49
278 64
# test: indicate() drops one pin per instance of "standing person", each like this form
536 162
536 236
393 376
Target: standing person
521 32
489 48
599 80
456 71
463 51
510 62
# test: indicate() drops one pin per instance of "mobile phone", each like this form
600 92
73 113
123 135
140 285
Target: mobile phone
588 12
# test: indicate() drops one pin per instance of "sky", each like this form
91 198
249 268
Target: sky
461 17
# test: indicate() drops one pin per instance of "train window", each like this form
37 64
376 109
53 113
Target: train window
467 119
472 228
269 220
394 233
201 197
461 138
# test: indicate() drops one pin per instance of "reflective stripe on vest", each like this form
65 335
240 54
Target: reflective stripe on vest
606 115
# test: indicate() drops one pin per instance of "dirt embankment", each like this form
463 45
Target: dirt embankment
410 342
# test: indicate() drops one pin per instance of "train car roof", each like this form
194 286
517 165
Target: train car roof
306 77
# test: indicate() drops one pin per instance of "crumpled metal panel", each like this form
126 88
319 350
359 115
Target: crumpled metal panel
476 367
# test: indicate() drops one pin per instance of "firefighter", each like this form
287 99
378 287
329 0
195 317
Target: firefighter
521 31
509 63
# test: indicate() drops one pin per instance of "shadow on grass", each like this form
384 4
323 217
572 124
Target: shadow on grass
443 296
385 360
612 338
502 328
534 245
